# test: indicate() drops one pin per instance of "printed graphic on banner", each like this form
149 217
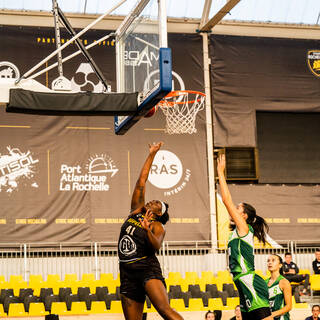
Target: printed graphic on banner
167 173
93 177
8 70
313 59
85 79
15 167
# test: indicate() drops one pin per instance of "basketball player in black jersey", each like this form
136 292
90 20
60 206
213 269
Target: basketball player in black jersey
140 237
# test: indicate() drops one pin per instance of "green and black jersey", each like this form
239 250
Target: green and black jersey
253 290
241 252
276 298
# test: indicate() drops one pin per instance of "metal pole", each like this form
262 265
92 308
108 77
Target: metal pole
57 33
25 262
209 131
71 56
83 49
70 41
96 261
162 14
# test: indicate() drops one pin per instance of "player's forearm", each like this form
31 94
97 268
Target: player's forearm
146 169
154 241
225 193
282 311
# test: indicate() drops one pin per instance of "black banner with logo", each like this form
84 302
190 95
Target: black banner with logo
265 74
71 178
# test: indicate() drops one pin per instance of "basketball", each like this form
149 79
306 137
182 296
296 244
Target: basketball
151 112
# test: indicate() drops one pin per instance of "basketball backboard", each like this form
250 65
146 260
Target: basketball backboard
143 58
143 65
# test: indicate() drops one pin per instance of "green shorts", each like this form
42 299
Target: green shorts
253 291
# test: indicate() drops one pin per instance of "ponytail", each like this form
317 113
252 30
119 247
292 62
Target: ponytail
259 225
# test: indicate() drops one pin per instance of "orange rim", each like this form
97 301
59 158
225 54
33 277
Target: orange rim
179 93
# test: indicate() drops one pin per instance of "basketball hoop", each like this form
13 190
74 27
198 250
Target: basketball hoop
180 109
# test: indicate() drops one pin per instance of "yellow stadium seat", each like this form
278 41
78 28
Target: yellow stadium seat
2 313
59 308
98 307
16 310
148 310
208 277
304 271
115 307
35 278
260 273
192 277
215 304
16 286
196 304
175 277
36 283
177 304
223 277
37 309
302 305
70 277
53 278
16 278
89 277
232 303
106 278
315 282
184 284
2 279
78 307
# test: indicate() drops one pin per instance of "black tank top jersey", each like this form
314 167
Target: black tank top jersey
133 244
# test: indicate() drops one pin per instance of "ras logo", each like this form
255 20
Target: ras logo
95 179
15 166
167 173
313 59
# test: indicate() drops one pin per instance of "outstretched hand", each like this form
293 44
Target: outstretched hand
154 147
221 163
146 221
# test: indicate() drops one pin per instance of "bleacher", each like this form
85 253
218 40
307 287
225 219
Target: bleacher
73 296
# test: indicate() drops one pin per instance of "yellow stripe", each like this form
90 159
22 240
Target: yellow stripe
136 260
5 126
129 181
48 154
88 128
153 129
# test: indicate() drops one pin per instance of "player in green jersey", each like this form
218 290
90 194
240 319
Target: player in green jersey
245 224
280 293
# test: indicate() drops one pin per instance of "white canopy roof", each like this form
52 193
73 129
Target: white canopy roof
272 11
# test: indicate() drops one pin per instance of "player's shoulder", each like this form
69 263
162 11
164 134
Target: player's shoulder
157 225
283 282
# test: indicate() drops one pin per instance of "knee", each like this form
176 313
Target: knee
165 310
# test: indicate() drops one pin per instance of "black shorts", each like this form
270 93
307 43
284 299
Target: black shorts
256 314
133 277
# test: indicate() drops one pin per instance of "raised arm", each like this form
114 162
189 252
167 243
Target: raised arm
138 200
240 222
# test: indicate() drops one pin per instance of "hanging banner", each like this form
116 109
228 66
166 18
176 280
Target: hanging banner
71 178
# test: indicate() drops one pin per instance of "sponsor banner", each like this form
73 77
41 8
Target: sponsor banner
71 178
252 74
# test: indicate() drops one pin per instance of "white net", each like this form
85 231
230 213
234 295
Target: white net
181 109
